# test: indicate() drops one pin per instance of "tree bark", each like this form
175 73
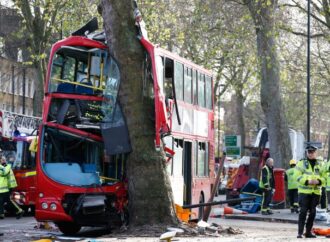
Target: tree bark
263 14
150 194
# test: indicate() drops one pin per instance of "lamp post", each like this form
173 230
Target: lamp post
219 116
308 69
219 124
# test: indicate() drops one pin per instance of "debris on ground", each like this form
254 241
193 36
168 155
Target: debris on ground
168 236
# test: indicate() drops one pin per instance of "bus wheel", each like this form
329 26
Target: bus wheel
201 209
68 228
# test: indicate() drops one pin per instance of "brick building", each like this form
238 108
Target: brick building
17 87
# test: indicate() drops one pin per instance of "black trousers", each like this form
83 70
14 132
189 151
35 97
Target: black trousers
324 199
266 199
5 198
307 203
293 197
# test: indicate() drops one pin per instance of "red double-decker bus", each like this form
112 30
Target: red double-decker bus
183 95
16 148
84 142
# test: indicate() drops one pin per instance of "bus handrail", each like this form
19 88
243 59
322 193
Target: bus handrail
78 83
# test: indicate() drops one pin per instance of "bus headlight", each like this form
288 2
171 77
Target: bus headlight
41 194
53 206
44 205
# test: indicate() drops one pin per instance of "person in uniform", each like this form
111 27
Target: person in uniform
290 178
267 184
310 179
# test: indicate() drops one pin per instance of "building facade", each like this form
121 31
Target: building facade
17 87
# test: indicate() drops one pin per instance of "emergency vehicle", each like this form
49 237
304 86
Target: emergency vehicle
17 133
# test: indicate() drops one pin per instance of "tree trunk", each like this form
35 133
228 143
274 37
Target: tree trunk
150 194
39 90
263 14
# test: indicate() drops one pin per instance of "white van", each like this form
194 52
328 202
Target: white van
297 140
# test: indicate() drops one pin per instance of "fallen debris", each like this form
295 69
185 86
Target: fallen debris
168 236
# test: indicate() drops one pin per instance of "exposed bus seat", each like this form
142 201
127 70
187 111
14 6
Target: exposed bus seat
85 90
66 88
89 168
62 111
70 173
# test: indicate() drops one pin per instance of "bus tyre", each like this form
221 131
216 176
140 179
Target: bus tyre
201 209
68 228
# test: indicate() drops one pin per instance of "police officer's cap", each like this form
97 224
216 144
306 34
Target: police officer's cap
311 148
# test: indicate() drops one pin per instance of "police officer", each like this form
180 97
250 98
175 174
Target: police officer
7 182
267 184
290 178
310 180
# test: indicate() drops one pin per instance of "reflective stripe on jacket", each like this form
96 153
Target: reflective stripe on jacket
292 180
304 172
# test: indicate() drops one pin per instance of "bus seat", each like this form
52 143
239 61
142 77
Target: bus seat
71 174
62 111
89 168
83 89
66 88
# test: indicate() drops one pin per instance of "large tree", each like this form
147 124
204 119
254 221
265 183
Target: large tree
263 14
150 194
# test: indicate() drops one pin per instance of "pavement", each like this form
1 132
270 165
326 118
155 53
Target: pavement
280 216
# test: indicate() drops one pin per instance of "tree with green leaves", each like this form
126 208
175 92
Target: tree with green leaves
263 13
150 194
44 21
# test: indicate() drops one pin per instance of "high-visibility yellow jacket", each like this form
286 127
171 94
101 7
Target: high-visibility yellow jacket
291 177
4 172
326 175
11 180
305 172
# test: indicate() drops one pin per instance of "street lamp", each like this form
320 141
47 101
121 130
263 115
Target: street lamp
308 68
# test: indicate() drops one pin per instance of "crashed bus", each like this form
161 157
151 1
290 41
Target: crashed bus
81 173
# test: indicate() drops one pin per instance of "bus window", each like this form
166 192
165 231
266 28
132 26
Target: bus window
201 90
71 159
178 80
195 93
160 72
168 140
177 159
208 92
168 82
80 70
201 159
111 89
187 84
69 69
114 168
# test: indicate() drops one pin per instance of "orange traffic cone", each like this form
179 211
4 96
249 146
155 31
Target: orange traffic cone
226 210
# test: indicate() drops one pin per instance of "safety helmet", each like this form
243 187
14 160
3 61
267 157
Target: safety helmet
292 162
